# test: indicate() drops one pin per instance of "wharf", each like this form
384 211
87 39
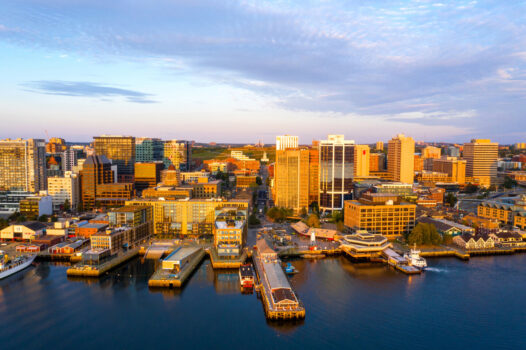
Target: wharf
279 300
98 270
168 279
220 263
399 262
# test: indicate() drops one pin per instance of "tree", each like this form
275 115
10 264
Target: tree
451 199
313 220
337 216
66 205
259 181
303 212
509 182
253 220
424 234
315 208
470 188
3 223
43 218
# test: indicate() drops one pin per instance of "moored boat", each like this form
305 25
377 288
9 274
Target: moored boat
414 259
246 276
9 266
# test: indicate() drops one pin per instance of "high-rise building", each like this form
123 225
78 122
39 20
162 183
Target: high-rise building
401 158
291 179
481 161
453 167
23 165
376 162
286 141
147 174
379 146
453 151
178 154
62 188
361 161
69 159
56 145
121 151
149 149
314 172
336 172
431 152
96 171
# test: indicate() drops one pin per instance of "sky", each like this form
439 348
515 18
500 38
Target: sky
244 71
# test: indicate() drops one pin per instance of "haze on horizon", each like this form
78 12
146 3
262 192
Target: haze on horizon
244 71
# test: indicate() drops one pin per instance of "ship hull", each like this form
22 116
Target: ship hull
18 268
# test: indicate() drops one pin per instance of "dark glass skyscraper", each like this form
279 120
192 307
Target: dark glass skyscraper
121 151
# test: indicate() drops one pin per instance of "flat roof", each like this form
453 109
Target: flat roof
128 208
181 253
275 275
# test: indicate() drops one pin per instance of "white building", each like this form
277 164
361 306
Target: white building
62 188
286 141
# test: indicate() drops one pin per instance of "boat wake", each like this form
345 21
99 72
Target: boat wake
435 269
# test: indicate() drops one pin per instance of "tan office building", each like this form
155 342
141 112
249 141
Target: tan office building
481 160
291 181
361 160
380 213
455 168
401 159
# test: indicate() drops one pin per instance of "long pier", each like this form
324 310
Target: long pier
98 270
279 300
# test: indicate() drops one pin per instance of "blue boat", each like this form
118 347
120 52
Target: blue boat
290 269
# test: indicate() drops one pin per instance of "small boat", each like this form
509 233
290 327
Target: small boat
414 259
290 269
9 266
246 276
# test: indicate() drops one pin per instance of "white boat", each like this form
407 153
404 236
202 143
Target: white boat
9 267
414 259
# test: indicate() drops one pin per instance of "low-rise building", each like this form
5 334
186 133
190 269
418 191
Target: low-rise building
89 229
37 205
246 181
121 238
470 242
447 227
230 231
26 231
380 214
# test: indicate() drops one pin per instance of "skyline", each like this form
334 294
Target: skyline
436 71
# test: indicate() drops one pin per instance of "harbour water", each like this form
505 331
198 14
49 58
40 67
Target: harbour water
454 305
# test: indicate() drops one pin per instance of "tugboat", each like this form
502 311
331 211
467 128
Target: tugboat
9 267
414 259
290 269
246 276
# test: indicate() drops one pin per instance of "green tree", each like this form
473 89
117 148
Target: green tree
509 182
3 223
253 220
424 234
66 205
313 220
259 181
470 188
303 212
451 199
337 216
43 218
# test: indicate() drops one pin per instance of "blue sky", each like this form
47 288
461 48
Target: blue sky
242 71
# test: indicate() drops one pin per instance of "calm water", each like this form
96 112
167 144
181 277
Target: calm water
455 305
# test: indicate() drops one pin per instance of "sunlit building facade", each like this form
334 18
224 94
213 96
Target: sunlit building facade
121 151
23 165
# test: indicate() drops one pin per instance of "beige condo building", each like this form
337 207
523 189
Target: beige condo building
400 159
481 160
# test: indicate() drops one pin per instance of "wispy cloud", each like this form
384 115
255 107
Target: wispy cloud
86 89
349 57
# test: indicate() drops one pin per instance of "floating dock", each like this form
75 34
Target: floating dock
83 270
177 267
399 262
279 300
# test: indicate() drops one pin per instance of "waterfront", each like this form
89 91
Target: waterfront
454 305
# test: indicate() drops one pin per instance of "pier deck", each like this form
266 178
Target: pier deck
168 279
279 300
221 263
98 270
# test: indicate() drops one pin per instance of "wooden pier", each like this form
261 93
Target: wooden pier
167 279
280 302
98 270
